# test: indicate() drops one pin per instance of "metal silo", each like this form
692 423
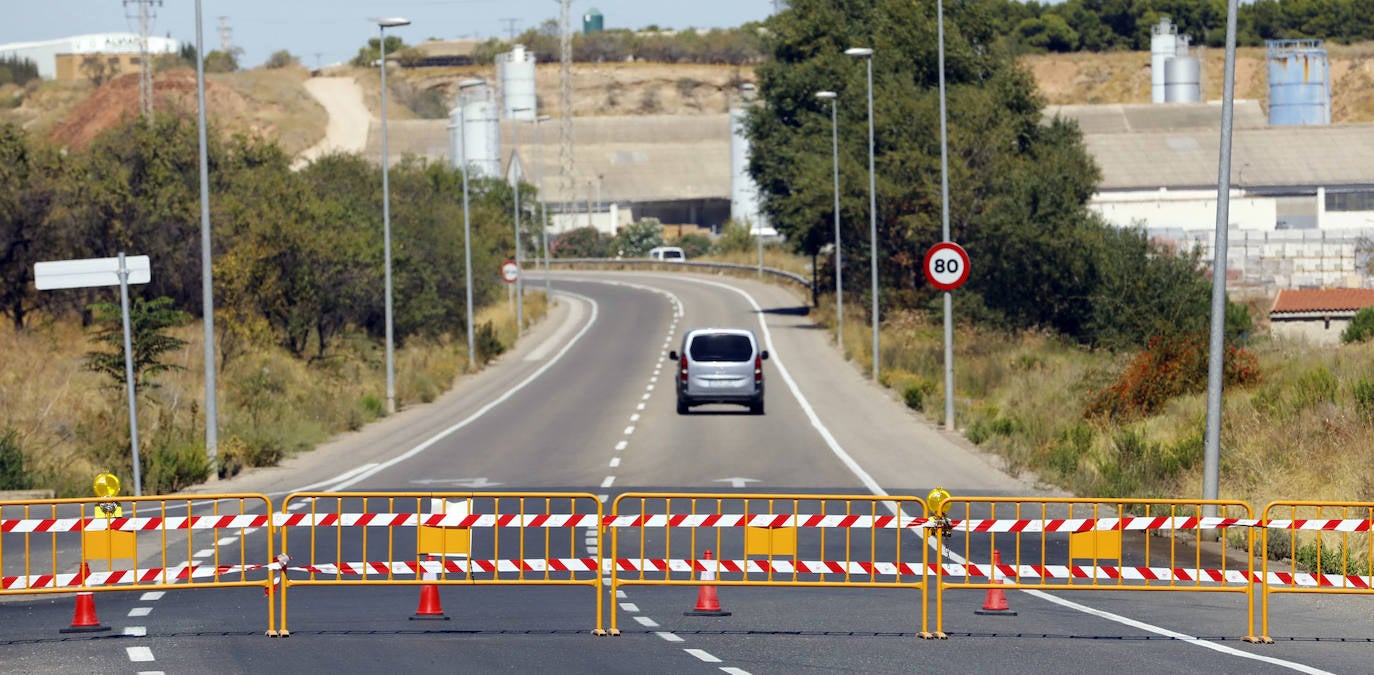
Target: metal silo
476 115
1163 46
592 21
515 69
745 205
1182 76
1299 83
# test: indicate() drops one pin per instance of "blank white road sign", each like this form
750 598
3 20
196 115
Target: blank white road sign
89 272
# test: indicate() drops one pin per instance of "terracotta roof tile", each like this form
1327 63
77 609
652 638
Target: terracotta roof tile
1323 299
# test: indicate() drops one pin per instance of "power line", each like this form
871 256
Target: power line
145 15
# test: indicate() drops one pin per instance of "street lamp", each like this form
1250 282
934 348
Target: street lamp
543 200
382 25
867 53
206 275
515 181
839 257
467 219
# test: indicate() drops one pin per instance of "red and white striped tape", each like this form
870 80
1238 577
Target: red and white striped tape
155 575
434 520
140 524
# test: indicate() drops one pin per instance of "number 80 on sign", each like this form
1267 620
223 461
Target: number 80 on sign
946 266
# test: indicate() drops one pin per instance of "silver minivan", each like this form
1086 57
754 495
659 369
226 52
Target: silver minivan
720 365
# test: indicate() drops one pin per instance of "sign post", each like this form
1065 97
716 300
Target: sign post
90 272
946 268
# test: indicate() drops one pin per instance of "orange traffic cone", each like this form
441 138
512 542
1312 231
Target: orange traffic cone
707 602
84 619
996 601
429 609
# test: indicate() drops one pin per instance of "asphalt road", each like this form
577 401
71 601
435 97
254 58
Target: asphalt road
585 404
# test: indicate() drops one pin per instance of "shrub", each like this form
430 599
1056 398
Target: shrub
1360 328
583 242
12 473
1314 388
694 245
1073 444
1363 392
916 392
1169 366
175 465
487 342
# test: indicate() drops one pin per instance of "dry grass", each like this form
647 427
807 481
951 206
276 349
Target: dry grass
282 108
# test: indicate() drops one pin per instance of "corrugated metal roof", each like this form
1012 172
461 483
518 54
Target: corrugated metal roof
1323 300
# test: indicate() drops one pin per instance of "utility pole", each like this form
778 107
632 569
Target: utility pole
145 15
565 106
510 27
224 34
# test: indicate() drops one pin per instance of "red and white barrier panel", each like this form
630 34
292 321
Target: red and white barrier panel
763 520
155 575
455 566
433 520
40 525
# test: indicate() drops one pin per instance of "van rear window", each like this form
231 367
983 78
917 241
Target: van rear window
721 348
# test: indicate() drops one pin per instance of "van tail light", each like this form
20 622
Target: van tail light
682 368
758 369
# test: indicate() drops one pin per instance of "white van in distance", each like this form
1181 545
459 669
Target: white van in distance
667 254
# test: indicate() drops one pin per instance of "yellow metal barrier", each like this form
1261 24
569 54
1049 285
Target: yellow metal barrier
1326 547
768 540
1097 544
96 544
458 538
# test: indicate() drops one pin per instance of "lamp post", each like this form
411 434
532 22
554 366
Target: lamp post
867 53
543 201
515 181
206 274
467 218
382 25
839 257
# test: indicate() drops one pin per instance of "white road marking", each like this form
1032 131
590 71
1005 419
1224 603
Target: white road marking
668 636
139 654
646 397
629 430
603 498
615 461
703 655
204 553
542 350
609 481
136 631
649 388
621 445
227 541
337 479
151 596
629 606
296 505
654 379
620 594
646 622
151 672
249 530
364 475
140 611
877 489
735 671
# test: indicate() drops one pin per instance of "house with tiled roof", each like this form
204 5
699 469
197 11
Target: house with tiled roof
1317 315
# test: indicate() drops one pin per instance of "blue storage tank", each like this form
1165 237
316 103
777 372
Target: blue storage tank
592 22
1299 83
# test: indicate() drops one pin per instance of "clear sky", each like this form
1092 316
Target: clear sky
329 31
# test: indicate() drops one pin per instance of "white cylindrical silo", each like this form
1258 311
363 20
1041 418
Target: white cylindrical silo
480 140
515 69
1183 80
745 205
1163 46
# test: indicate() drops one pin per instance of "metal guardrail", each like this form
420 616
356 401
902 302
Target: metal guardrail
658 265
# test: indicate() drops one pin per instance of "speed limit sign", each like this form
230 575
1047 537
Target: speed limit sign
946 266
510 271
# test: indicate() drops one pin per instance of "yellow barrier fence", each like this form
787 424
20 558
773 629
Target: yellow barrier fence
97 544
1316 547
713 539
1098 545
441 538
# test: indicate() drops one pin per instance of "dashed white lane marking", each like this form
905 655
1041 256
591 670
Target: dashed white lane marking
735 671
703 655
139 654
646 397
650 387
151 672
654 379
669 636
621 445
615 461
629 606
629 430
646 622
249 530
227 541
634 417
295 505
609 481
150 596
620 594
204 553
140 611
603 498
135 631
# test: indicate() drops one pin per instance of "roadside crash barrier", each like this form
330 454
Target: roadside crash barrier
769 540
455 538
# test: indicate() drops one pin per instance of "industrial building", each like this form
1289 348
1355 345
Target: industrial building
61 59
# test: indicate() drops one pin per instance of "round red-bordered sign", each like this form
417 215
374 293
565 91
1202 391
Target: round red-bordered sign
510 271
946 266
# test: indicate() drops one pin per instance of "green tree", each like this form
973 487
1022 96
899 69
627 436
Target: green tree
222 62
694 245
636 239
583 242
1360 328
149 321
13 476
282 59
367 56
29 174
